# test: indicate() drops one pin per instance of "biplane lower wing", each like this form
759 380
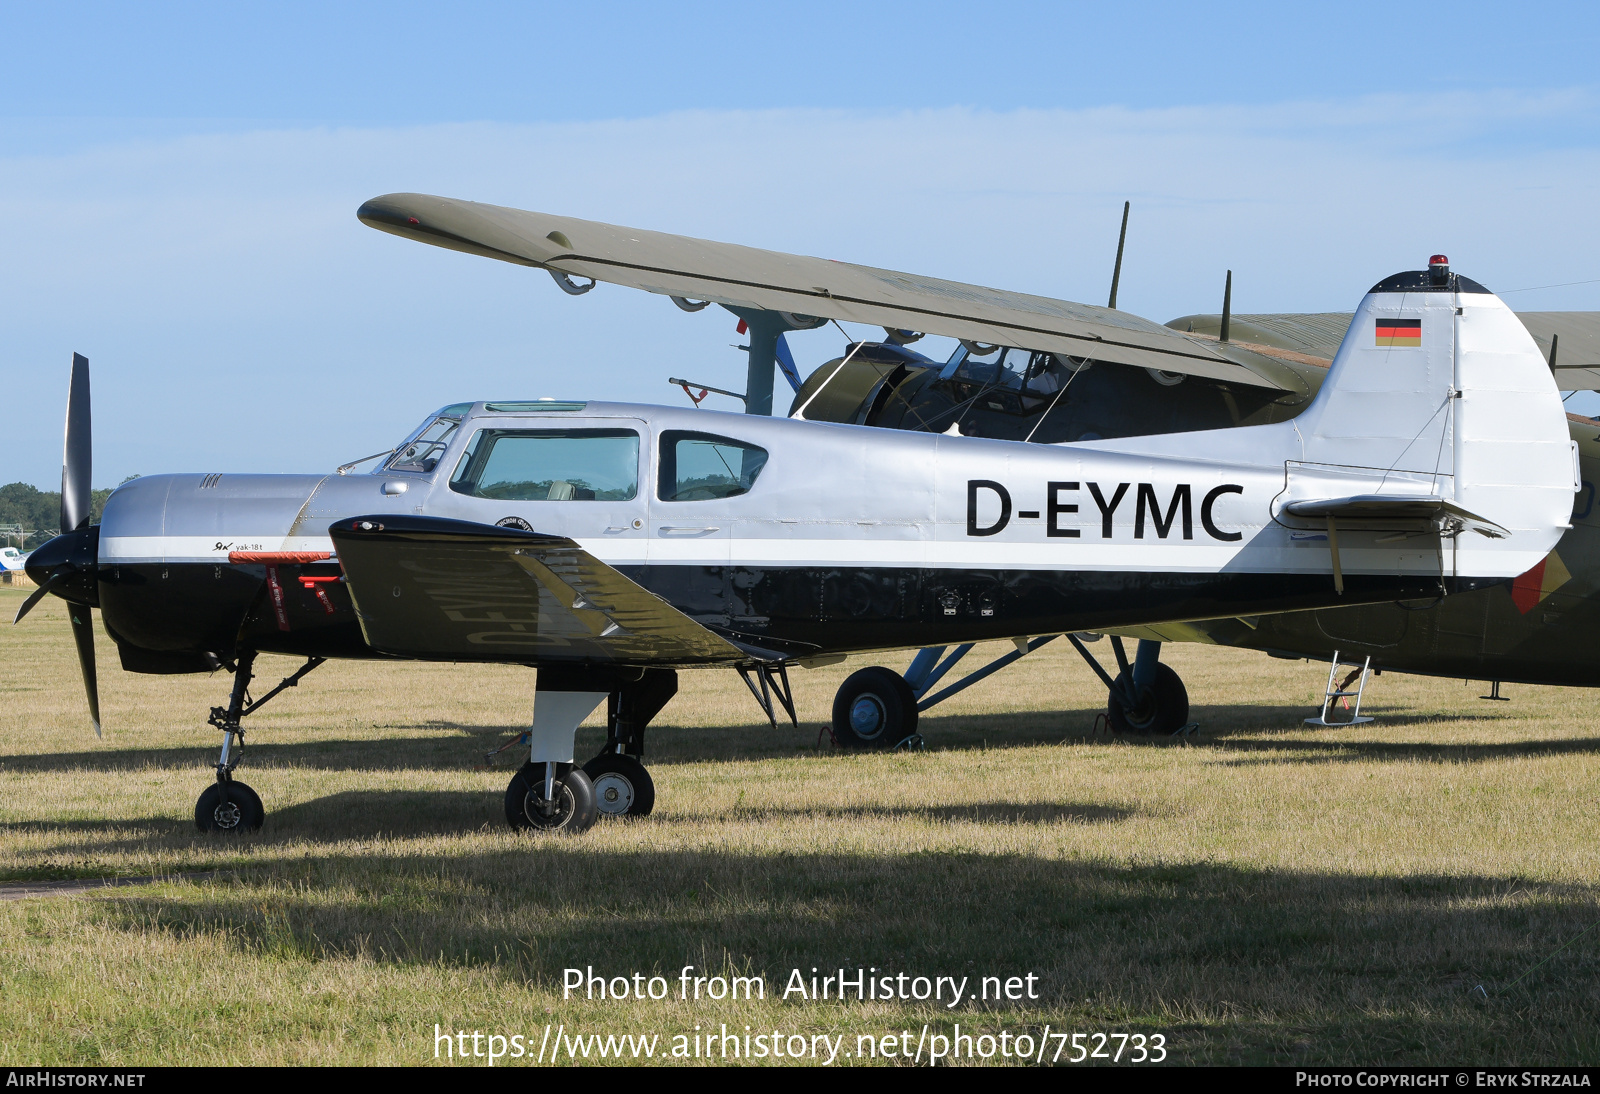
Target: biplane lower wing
437 589
748 277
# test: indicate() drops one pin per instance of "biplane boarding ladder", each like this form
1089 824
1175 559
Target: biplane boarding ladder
1341 691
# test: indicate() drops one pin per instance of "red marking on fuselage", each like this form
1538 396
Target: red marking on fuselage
277 558
1525 590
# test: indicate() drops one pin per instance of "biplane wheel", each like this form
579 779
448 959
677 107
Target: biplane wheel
875 708
572 811
1163 706
622 786
240 811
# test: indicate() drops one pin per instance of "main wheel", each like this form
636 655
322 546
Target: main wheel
1163 706
622 786
875 708
239 811
571 810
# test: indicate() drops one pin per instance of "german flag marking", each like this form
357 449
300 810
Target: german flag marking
1399 332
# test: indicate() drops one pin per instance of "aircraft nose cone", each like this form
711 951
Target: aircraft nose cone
77 551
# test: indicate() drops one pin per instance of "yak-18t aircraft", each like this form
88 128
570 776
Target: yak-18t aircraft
611 544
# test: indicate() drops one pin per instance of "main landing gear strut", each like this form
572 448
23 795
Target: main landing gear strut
878 708
552 793
228 805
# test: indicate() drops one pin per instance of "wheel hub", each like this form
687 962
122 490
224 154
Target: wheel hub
549 814
867 717
227 815
614 792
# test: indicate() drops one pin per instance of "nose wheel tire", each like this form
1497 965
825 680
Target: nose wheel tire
1163 706
571 808
622 786
229 807
874 708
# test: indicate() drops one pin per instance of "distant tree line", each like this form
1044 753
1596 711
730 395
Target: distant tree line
39 512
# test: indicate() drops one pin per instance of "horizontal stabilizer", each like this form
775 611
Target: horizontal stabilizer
437 589
1394 513
747 277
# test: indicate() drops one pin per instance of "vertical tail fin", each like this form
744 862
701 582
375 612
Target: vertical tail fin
1439 392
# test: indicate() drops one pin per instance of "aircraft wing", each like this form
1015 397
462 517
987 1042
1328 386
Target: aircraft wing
1575 335
768 280
1577 363
437 589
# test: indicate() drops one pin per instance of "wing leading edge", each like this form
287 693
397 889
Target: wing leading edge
437 589
748 277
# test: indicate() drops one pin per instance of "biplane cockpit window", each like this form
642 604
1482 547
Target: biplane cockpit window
1017 380
550 465
701 466
422 452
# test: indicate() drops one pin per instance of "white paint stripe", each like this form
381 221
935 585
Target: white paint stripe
1113 557
202 548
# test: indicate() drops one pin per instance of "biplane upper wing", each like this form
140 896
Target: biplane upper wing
1574 336
769 280
438 589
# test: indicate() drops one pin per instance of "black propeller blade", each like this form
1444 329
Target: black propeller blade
38 594
74 554
77 457
83 635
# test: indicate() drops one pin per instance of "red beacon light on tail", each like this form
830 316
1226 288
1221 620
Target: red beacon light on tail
1439 268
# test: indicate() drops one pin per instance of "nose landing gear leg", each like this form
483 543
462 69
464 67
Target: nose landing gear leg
226 805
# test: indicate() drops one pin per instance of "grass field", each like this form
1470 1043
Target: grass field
1268 893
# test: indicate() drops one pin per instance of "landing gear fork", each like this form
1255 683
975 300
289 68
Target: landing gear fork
229 805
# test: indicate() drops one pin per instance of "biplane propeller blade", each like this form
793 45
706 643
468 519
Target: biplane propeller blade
67 565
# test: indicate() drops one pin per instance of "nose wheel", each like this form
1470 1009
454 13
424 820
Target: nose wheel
229 807
622 786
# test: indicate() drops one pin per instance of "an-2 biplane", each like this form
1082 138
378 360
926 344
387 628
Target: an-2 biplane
612 544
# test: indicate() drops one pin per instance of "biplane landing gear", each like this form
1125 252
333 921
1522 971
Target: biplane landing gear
1147 697
1161 707
874 708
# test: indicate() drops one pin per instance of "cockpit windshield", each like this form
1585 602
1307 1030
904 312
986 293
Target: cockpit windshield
422 452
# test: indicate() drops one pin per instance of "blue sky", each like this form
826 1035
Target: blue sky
178 185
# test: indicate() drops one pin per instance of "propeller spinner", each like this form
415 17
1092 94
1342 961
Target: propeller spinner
68 564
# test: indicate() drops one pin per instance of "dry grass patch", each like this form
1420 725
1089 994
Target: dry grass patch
1266 893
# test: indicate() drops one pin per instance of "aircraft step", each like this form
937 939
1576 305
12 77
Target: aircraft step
1332 693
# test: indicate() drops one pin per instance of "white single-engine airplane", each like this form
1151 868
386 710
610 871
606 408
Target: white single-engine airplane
611 544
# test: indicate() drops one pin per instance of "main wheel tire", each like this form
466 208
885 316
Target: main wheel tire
239 811
1163 706
875 708
574 808
622 786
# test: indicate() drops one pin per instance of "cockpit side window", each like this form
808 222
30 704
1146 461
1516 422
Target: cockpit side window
550 465
423 451
701 466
